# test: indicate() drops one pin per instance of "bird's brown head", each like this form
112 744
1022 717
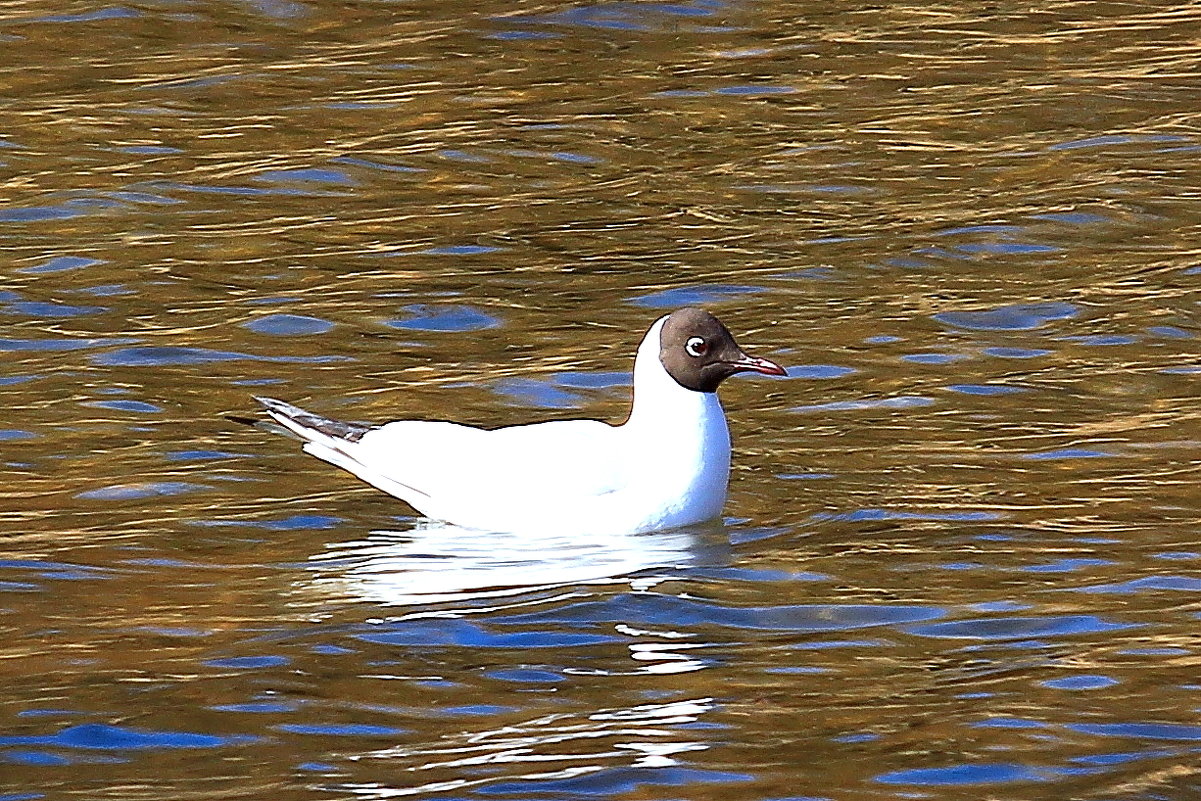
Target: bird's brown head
699 352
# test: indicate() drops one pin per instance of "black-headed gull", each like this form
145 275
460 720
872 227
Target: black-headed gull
666 466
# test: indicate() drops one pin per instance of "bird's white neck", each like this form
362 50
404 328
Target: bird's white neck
664 409
678 438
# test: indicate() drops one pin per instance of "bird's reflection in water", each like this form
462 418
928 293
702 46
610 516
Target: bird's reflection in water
436 562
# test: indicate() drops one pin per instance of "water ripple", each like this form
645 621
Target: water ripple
672 612
1017 628
1020 317
900 402
163 355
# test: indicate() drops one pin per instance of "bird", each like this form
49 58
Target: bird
666 466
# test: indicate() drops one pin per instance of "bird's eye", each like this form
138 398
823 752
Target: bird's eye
696 346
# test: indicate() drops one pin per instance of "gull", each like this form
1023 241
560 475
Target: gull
666 466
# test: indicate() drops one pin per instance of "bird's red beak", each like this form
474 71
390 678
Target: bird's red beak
753 364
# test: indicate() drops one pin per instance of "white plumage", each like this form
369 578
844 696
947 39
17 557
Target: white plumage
666 466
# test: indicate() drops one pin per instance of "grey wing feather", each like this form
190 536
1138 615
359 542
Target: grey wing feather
336 442
297 420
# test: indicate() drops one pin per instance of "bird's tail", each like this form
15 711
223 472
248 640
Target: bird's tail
311 427
337 443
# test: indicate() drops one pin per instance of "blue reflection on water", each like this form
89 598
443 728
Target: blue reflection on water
934 358
342 730
68 209
1119 758
1175 583
102 736
105 290
1007 248
1102 340
162 355
292 188
459 250
988 228
1071 217
61 264
532 392
299 522
140 407
523 35
699 295
148 489
1082 682
202 455
672 612
247 662
986 773
288 325
1067 565
616 782
474 710
1016 353
526 676
375 165
308 175
469 633
596 380
56 570
1169 331
819 371
575 158
898 402
39 213
1003 628
21 757
149 150
257 707
890 514
623 16
984 389
1066 453
1148 731
1108 140
423 317
754 90
1021 317
51 309
1009 723
111 12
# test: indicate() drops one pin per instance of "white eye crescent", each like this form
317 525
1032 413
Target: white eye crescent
696 346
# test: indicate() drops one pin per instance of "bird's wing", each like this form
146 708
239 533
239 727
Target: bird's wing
449 461
448 470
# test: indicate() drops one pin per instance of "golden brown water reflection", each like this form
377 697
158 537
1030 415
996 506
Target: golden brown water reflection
961 559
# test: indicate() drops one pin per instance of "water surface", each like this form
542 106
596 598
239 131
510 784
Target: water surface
960 559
